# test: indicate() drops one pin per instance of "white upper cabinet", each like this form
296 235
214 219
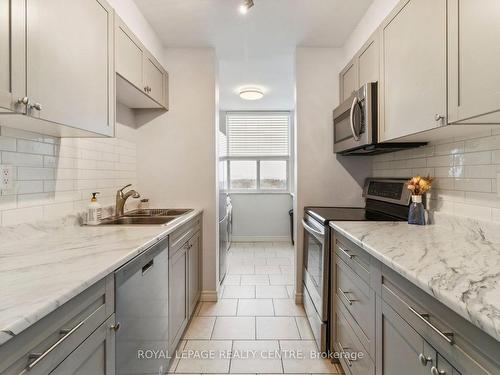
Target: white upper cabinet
141 80
349 80
413 84
474 61
69 63
368 61
56 66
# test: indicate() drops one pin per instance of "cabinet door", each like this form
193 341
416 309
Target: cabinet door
177 296
401 347
368 61
474 61
129 60
96 355
12 55
70 66
413 87
194 271
154 79
348 80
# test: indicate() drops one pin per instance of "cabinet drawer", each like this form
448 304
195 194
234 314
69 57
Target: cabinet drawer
347 344
353 256
180 236
54 337
357 297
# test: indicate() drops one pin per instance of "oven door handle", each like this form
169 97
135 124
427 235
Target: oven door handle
311 229
351 118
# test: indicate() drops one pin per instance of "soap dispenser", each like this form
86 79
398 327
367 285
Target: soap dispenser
94 215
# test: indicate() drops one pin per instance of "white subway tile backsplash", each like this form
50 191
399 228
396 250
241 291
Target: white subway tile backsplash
465 169
54 177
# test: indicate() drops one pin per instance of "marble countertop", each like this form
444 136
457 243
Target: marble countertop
458 264
44 265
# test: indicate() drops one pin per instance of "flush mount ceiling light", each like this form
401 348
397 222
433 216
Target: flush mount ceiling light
251 94
245 7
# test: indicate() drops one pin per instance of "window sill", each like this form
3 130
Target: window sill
261 192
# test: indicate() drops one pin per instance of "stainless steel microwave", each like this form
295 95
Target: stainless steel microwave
355 125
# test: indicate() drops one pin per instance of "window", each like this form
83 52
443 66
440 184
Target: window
258 151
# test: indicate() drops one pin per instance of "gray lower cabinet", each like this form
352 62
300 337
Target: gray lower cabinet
399 328
177 297
95 356
194 272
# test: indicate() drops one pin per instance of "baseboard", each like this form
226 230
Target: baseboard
299 298
261 239
209 296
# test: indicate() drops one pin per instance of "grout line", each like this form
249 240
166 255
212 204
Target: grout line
213 328
297 325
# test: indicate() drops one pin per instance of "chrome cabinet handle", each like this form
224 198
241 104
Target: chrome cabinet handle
36 106
346 252
310 229
38 357
440 118
346 298
115 327
424 361
349 363
446 336
146 88
351 117
435 371
24 101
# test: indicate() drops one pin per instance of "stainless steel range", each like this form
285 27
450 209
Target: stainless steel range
386 200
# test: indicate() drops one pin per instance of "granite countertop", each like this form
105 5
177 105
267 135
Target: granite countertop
458 264
44 265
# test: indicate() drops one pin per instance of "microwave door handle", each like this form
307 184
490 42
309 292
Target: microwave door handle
353 107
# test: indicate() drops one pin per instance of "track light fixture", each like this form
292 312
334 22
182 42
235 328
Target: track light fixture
245 7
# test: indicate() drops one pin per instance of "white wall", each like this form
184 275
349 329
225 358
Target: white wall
176 151
323 178
372 18
261 217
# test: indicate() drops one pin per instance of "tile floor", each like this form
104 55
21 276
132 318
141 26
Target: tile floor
256 320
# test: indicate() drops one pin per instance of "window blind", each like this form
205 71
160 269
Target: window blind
257 134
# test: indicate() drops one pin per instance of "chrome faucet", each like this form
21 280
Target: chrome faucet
121 198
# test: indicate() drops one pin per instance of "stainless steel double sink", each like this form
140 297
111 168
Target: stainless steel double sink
154 216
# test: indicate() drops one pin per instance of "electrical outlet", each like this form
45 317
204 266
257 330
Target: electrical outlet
6 177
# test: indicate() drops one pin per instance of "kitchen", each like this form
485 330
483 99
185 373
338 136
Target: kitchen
143 103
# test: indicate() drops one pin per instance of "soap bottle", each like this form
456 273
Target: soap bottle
94 214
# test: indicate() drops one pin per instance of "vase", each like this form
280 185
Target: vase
416 215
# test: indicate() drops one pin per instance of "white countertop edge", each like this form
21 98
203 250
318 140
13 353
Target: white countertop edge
23 322
476 317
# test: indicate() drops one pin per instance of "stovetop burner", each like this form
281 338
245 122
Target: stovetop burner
326 214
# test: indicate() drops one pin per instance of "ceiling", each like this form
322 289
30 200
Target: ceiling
255 49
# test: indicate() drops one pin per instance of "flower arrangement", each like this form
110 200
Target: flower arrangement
420 185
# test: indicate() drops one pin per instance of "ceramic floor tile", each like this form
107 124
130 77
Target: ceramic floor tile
255 280
176 356
223 307
279 261
287 307
269 270
255 307
191 361
305 361
240 269
281 279
200 328
291 291
271 291
286 269
234 328
232 280
235 291
259 356
274 328
304 328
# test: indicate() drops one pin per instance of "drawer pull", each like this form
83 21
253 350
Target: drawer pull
446 336
346 298
349 363
346 252
435 371
38 357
